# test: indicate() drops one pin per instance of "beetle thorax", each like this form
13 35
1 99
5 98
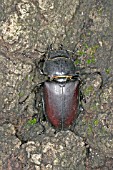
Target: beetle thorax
60 66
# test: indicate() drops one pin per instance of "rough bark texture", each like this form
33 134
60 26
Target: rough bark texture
27 28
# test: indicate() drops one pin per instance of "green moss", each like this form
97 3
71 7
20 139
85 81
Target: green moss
100 11
21 94
94 48
108 71
90 129
88 90
94 106
91 49
81 53
86 46
88 53
29 77
96 122
77 62
91 60
32 121
103 130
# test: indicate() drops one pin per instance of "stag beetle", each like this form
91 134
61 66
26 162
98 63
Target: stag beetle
61 92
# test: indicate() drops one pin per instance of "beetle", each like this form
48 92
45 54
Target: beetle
61 90
61 94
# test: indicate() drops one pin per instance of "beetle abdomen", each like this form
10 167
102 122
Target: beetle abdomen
61 102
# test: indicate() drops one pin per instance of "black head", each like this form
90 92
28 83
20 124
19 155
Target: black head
58 63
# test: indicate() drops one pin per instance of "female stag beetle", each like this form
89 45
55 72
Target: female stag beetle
61 89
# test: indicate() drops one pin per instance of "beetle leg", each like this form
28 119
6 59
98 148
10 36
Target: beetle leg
82 97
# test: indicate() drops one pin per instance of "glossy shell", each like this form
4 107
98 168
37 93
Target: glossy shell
58 63
61 102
